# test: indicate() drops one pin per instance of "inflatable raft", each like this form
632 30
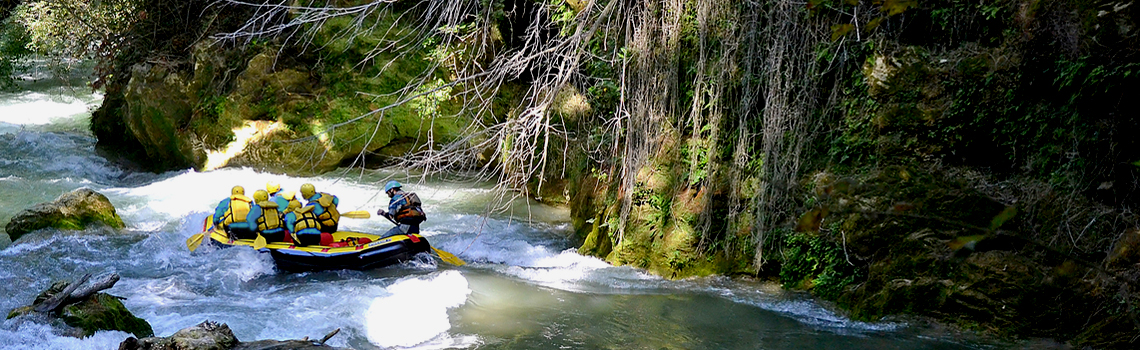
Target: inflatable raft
351 250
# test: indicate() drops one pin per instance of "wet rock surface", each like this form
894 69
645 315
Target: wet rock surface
75 210
210 335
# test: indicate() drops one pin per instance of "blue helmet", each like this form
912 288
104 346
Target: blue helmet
390 185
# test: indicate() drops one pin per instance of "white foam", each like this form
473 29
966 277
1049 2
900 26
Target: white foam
806 311
415 312
447 341
19 334
34 108
161 292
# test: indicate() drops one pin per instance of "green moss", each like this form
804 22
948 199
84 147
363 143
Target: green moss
597 242
19 311
104 312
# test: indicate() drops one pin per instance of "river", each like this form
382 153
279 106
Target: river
524 286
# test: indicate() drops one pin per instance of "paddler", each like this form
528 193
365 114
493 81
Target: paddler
306 230
324 207
231 214
265 216
404 209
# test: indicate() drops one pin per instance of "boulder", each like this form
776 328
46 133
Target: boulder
74 210
214 336
157 113
204 336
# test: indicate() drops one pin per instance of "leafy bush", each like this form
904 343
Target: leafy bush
814 262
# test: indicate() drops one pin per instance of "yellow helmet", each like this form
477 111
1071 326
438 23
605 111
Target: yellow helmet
237 190
260 196
272 187
307 191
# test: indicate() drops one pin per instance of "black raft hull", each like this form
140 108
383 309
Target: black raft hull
388 251
377 252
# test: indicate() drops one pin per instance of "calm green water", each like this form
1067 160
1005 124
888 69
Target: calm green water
525 287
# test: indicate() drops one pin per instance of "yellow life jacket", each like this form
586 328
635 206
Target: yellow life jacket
331 216
270 218
305 219
238 209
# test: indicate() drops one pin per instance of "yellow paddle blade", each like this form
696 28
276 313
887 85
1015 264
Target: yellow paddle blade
259 242
194 241
448 257
358 214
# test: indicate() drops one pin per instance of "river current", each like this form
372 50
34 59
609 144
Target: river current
524 287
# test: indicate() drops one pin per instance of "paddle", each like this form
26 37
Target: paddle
358 214
448 257
445 256
195 240
259 242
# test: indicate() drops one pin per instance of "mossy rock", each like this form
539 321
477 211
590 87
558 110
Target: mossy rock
158 110
210 335
99 312
204 336
104 312
75 210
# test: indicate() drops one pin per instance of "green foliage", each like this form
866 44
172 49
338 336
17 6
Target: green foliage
14 40
604 96
208 124
696 157
428 104
562 15
814 262
643 195
677 260
855 143
74 29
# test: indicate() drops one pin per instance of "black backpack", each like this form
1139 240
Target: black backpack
411 213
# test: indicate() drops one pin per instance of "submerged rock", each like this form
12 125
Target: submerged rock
74 210
214 336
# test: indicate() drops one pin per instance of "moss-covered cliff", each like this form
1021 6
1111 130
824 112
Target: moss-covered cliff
969 161
266 102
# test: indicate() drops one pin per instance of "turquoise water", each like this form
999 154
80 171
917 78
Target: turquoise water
525 287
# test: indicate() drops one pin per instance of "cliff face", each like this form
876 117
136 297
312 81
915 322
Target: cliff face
965 161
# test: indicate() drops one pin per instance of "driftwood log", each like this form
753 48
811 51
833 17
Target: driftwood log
76 292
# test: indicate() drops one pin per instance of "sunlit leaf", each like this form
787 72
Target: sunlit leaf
874 23
967 242
1002 217
810 221
839 30
894 7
